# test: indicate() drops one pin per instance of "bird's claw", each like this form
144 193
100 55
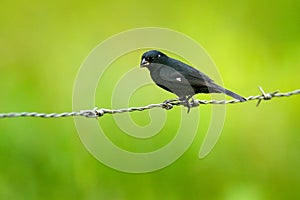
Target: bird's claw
170 101
189 108
189 104
185 101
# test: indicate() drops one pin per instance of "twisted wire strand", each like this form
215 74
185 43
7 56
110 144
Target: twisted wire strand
169 104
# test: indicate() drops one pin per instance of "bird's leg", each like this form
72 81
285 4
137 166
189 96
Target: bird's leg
185 101
188 103
171 100
182 98
193 102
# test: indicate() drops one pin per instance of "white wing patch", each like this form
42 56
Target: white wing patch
178 79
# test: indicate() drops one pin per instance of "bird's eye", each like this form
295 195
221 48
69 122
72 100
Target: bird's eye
158 55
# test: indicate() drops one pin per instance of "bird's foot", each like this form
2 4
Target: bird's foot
183 98
187 101
167 104
189 104
189 108
170 100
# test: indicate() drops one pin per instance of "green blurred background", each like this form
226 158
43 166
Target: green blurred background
42 45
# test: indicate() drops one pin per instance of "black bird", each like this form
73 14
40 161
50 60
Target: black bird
180 78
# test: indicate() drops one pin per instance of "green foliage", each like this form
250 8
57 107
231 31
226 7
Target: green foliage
43 44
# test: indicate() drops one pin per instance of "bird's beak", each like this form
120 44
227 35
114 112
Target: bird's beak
144 63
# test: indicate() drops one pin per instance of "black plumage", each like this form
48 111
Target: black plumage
180 78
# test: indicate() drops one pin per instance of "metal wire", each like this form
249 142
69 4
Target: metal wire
169 104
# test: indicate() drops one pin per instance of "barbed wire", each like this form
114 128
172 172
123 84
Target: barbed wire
169 104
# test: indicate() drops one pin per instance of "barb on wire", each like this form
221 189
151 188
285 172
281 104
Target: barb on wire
169 104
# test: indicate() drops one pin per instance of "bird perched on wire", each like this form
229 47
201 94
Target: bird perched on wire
180 78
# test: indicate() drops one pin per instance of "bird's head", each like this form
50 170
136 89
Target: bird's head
153 56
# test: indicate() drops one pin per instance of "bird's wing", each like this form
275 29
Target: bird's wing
168 74
184 74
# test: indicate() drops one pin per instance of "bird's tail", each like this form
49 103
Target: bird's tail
234 95
218 88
